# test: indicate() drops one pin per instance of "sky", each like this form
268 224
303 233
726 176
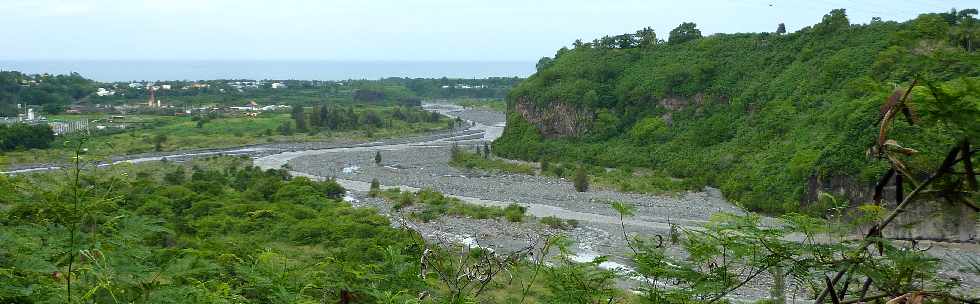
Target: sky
385 30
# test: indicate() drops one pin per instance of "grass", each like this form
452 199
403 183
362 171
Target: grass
432 205
470 160
491 104
183 134
558 223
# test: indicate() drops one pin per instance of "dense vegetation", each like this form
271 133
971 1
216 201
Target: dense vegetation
24 136
403 91
478 159
754 114
52 91
53 94
222 231
148 133
427 205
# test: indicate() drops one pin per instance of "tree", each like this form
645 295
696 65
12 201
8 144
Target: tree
25 136
375 188
377 158
647 37
371 118
581 180
299 117
685 32
649 130
626 41
175 177
158 141
930 26
543 63
833 21
781 29
286 128
52 108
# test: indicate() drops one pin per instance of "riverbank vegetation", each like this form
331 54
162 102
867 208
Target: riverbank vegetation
142 133
432 205
758 115
24 137
490 104
481 160
219 230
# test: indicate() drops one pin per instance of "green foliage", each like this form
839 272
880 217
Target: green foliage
573 282
24 136
229 233
733 250
375 189
685 32
51 92
471 160
581 180
558 223
220 130
755 115
158 141
492 104
427 205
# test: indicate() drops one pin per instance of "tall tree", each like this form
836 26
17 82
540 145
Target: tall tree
685 32
647 37
781 29
300 117
543 63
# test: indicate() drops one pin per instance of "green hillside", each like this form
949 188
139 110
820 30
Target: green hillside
756 114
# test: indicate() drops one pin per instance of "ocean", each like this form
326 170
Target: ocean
135 70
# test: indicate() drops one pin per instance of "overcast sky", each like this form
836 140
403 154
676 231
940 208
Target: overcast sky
387 30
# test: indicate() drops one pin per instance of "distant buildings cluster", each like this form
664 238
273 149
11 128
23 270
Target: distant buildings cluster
464 86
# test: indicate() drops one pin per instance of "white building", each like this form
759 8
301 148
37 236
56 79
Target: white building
278 85
104 92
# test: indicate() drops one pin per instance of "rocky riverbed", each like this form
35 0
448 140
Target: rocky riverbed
422 162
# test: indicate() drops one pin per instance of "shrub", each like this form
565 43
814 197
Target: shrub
24 136
557 223
581 180
375 188
515 213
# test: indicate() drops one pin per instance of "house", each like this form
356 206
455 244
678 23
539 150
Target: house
278 85
251 106
104 92
165 86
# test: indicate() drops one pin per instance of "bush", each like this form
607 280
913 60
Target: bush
375 188
460 158
515 213
581 180
557 223
24 136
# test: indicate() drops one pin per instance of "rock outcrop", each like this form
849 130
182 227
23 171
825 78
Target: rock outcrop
926 219
557 119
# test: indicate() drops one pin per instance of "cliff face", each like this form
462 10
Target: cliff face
930 219
555 120
755 115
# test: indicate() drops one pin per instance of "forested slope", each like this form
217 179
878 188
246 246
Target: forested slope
759 115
